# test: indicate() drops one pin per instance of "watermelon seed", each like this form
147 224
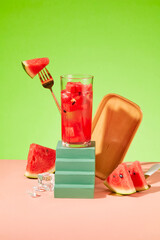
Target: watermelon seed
73 101
64 111
121 176
129 171
134 173
114 176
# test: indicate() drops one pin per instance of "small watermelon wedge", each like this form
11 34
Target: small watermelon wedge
40 159
137 176
119 181
34 66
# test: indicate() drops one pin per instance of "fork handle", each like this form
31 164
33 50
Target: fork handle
55 99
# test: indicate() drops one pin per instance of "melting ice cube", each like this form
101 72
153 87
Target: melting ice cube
34 193
46 181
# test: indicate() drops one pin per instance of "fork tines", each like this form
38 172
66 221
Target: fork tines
44 75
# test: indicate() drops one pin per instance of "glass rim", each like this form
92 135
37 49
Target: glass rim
76 76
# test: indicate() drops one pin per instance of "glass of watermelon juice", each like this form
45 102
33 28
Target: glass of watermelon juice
76 107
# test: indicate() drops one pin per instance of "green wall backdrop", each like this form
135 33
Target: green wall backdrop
117 41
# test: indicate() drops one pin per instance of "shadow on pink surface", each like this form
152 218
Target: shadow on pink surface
100 190
146 192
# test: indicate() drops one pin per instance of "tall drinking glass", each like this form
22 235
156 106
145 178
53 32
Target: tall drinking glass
76 110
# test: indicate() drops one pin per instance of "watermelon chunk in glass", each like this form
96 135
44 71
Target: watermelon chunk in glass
70 87
69 131
119 181
40 159
137 176
34 66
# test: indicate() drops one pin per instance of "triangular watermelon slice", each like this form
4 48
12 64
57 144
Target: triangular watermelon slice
40 159
137 176
119 181
34 66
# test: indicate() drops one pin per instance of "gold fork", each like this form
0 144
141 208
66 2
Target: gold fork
48 82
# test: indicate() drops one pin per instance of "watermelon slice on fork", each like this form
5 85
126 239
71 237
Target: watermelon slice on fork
34 66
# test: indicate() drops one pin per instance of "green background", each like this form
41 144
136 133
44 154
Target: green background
117 41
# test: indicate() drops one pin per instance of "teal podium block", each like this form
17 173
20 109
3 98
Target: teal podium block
75 153
74 191
68 164
75 172
74 177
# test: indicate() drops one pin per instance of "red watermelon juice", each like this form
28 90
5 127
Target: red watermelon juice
76 107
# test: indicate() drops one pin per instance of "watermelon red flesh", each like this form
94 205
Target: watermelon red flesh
137 176
40 159
34 66
119 181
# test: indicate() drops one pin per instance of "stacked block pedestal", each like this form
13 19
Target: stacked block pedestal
75 172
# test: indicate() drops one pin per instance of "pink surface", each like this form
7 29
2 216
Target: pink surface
106 216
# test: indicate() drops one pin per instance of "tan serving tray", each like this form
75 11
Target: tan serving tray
114 126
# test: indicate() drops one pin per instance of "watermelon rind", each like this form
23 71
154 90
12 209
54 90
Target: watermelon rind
120 191
27 70
145 187
35 175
